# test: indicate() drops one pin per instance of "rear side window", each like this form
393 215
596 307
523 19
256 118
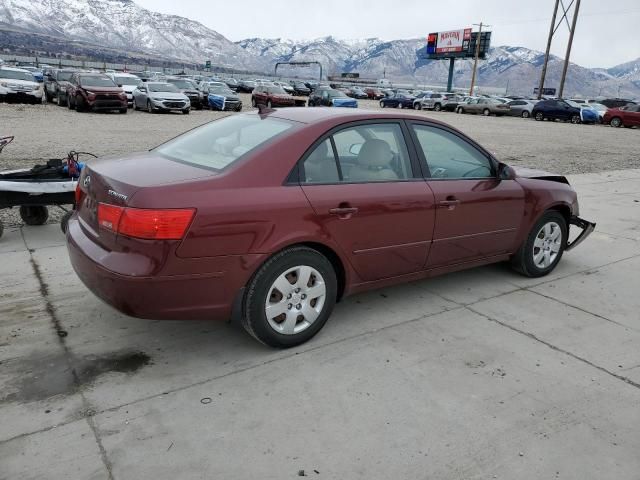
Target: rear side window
218 144
365 153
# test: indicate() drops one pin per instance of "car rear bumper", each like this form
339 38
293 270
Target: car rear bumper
587 228
204 295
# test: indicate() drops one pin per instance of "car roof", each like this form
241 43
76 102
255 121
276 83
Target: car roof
15 69
312 115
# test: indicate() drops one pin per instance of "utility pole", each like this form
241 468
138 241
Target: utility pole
546 54
475 61
566 60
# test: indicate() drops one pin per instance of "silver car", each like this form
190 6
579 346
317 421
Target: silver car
521 108
160 96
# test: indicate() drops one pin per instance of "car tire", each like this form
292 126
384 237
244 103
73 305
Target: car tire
253 102
382 104
34 214
417 106
486 112
69 104
539 116
269 104
525 114
543 247
282 270
124 110
186 111
460 110
64 222
80 103
616 122
437 107
575 119
135 105
150 107
400 105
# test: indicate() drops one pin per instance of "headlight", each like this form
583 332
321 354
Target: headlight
4 84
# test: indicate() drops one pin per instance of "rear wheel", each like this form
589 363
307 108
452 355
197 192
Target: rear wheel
79 103
124 110
381 104
417 106
525 114
400 105
290 297
543 248
149 107
460 110
486 112
437 107
269 104
616 122
64 221
34 214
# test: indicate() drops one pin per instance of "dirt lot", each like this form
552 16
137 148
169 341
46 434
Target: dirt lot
49 131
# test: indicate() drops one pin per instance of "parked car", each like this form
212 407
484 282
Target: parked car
220 97
520 108
588 114
246 86
95 91
432 101
56 82
627 116
397 100
232 83
328 97
35 71
374 93
484 106
451 102
271 96
616 102
556 110
160 97
19 85
299 88
598 107
362 215
356 92
128 82
286 87
189 88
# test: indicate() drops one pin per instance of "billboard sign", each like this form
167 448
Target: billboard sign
545 91
453 41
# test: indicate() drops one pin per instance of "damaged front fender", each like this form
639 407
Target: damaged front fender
587 228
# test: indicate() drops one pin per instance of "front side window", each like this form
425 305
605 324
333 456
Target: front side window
365 153
218 144
449 156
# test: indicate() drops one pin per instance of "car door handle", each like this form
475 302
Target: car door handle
343 212
450 203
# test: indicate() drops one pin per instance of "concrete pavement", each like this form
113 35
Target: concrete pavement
477 374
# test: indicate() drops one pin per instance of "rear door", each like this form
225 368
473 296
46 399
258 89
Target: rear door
369 196
477 214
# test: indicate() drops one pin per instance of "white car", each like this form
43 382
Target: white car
18 84
128 82
160 96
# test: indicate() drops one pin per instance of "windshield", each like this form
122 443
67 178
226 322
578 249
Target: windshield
249 83
184 84
218 144
276 90
16 75
162 87
220 91
127 80
96 81
64 76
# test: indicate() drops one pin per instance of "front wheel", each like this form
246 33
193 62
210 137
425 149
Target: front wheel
34 214
575 119
381 104
437 107
417 106
459 110
290 297
539 116
486 112
543 248
616 122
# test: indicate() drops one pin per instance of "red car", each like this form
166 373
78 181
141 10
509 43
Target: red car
271 96
95 91
277 215
374 93
628 116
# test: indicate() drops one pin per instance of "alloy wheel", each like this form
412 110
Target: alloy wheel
547 245
295 300
616 122
525 114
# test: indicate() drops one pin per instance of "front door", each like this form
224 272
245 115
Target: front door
370 199
477 214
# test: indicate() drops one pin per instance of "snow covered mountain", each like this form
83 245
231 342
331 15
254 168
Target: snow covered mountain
123 26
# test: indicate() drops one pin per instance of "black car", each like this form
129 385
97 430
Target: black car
299 88
556 110
357 92
190 89
232 83
222 98
328 97
616 102
246 86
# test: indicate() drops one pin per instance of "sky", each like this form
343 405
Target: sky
606 33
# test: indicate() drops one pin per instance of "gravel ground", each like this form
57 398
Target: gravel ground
49 131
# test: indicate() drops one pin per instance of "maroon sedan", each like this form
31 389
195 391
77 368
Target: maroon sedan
628 116
271 96
277 215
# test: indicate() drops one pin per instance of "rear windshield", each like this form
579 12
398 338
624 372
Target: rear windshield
64 76
184 84
218 144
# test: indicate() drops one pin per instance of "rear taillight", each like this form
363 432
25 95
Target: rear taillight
166 224
79 196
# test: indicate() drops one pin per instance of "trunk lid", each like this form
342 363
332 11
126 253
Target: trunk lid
116 180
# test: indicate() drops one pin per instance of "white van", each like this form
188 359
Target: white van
128 82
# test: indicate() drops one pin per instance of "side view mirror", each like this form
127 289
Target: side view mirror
355 148
120 85
505 172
